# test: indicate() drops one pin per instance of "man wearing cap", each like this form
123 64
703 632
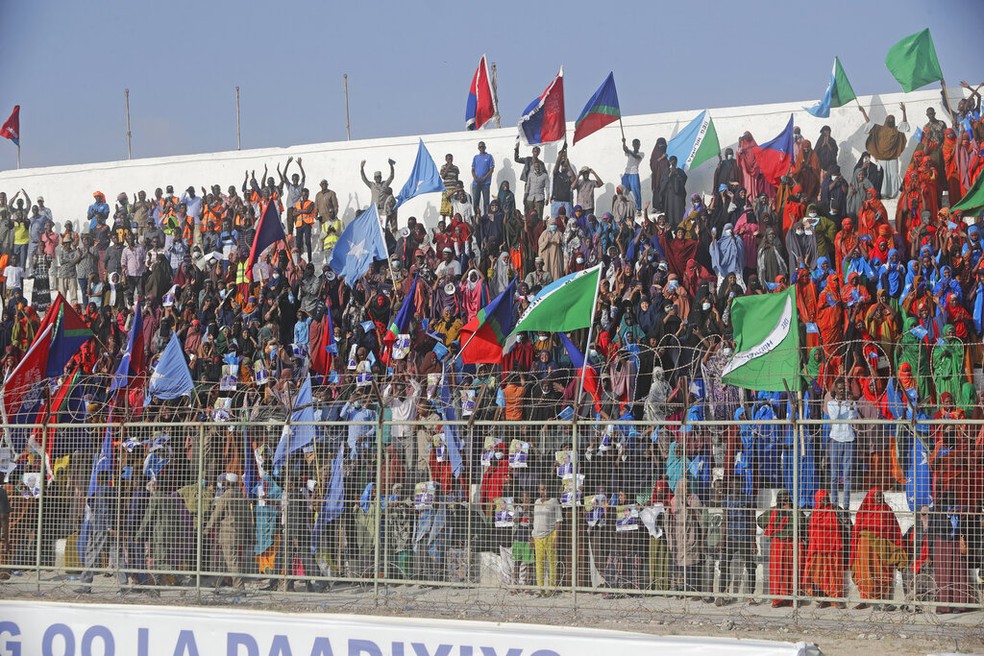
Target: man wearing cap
98 208
584 187
378 185
539 277
193 206
483 166
448 266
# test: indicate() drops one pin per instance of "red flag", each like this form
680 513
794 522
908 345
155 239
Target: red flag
269 230
480 108
11 127
29 371
320 340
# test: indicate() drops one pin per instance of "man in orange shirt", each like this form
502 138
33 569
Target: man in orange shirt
304 211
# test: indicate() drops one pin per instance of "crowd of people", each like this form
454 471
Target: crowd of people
483 457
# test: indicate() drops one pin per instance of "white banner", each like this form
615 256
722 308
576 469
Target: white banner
53 629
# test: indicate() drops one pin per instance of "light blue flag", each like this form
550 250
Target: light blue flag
450 414
103 462
334 503
296 436
424 178
919 482
171 378
360 243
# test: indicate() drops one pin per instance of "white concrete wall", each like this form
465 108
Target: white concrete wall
68 189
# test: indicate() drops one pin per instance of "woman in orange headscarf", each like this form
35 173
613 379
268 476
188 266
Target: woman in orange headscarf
876 548
951 167
871 215
824 575
780 525
830 317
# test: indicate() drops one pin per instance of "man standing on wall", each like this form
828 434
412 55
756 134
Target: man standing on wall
483 165
630 179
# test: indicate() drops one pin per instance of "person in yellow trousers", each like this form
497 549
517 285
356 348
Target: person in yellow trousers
547 517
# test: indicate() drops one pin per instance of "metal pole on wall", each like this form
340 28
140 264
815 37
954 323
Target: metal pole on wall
239 140
495 93
348 127
129 135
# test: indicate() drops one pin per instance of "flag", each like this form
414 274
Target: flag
424 178
776 156
577 361
766 331
481 106
69 334
11 127
132 363
485 335
171 377
448 410
401 319
295 437
696 143
24 387
103 460
361 242
839 92
51 414
334 503
919 480
269 230
973 200
565 304
912 61
323 345
543 119
602 109
251 475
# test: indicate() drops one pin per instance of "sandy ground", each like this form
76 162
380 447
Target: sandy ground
837 632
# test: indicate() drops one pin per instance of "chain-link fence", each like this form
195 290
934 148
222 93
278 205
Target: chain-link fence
776 511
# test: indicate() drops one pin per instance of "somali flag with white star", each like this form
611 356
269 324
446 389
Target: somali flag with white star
360 243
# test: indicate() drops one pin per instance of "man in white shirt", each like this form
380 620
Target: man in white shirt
449 266
630 179
841 410
401 399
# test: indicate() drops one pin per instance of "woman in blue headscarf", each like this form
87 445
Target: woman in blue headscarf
947 284
892 279
728 255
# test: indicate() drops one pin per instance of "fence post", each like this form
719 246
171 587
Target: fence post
574 545
43 485
200 511
796 427
378 501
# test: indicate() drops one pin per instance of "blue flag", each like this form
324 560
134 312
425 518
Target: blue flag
334 503
103 462
171 378
132 361
361 242
919 482
251 476
424 178
269 230
294 436
449 412
402 319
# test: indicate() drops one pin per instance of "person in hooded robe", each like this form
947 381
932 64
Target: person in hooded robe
771 260
676 192
659 166
826 149
885 143
727 172
752 178
728 255
801 248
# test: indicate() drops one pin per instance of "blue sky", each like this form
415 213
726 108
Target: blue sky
410 63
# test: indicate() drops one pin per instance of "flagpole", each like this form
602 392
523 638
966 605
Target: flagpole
129 135
348 129
495 94
587 346
18 152
239 141
621 127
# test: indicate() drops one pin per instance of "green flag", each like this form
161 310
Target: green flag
766 343
839 92
974 199
565 304
912 61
